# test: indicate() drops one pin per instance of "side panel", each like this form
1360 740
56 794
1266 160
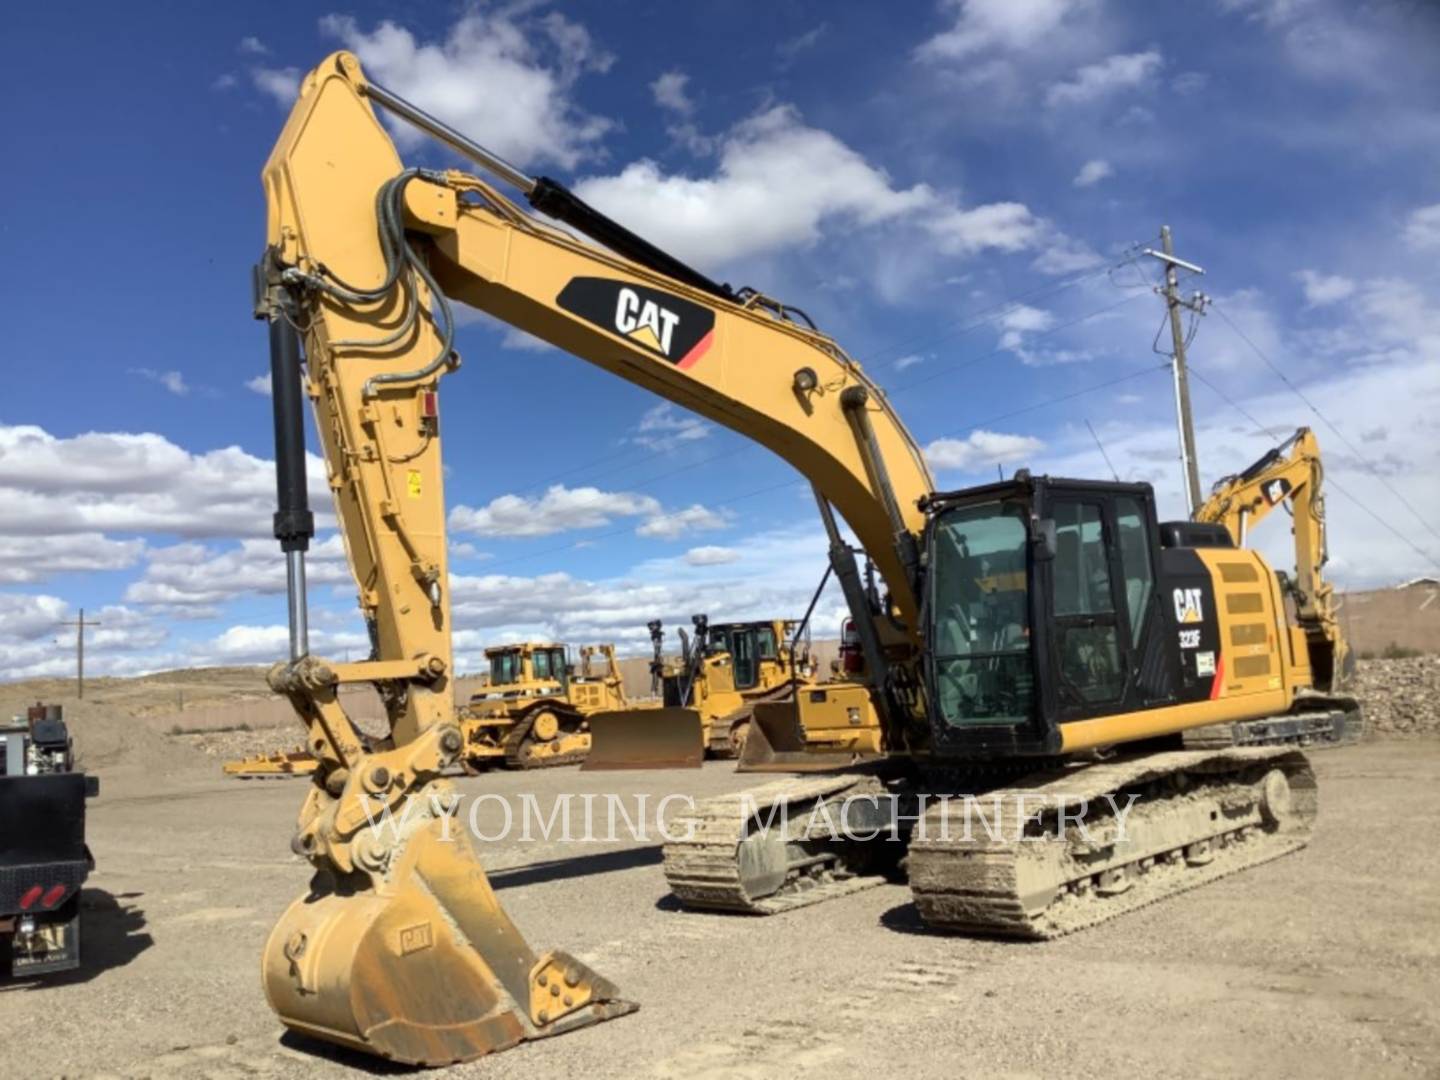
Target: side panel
1192 622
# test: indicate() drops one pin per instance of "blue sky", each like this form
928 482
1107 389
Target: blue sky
953 190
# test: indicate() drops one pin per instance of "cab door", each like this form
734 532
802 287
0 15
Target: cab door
744 658
1090 648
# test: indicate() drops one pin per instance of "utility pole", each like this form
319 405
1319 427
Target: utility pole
80 626
1174 303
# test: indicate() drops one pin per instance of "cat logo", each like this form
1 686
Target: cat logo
671 327
1187 606
645 321
1276 490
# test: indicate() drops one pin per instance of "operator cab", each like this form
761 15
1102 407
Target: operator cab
1041 605
517 665
748 644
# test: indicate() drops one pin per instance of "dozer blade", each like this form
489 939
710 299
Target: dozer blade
646 739
776 743
425 968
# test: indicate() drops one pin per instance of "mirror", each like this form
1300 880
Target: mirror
1043 539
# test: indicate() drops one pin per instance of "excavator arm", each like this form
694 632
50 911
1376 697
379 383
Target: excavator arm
1291 475
399 946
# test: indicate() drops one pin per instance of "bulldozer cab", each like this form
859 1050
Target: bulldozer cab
528 669
751 647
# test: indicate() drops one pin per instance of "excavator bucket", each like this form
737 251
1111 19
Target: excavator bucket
646 739
424 968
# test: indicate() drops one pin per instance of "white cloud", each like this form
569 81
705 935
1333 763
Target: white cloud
558 510
909 361
245 644
137 483
669 92
981 449
664 427
252 46
674 525
281 84
1092 172
1422 229
980 25
1020 320
1189 83
37 640
776 182
27 559
172 381
779 184
225 81
193 574
1322 289
790 48
1095 81
1000 226
260 384
502 77
711 555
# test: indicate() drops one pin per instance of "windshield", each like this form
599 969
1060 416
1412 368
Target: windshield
504 668
980 613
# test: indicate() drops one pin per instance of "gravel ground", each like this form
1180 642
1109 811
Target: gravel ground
1320 964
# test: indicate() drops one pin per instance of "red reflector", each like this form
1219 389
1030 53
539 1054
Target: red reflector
52 895
31 895
429 405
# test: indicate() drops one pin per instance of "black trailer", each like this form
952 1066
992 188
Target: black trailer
43 857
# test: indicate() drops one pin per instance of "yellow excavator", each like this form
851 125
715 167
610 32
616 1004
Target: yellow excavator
1291 476
708 699
1042 642
536 712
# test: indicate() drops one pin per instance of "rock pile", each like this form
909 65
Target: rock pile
1400 697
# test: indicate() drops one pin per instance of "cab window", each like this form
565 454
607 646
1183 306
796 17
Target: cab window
1084 605
1135 562
980 613
504 669
765 643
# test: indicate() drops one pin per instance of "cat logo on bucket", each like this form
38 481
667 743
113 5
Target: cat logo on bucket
1187 606
665 325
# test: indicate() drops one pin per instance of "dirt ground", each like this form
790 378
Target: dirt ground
1323 963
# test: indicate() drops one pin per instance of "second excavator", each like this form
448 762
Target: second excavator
1042 642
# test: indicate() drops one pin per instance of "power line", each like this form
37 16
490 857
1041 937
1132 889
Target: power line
1101 447
1328 423
1330 481
1059 399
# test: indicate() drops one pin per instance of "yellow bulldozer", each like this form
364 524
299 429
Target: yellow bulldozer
535 710
707 696
533 713
1040 641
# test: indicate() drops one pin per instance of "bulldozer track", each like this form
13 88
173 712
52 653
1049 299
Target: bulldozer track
1201 815
704 869
515 742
